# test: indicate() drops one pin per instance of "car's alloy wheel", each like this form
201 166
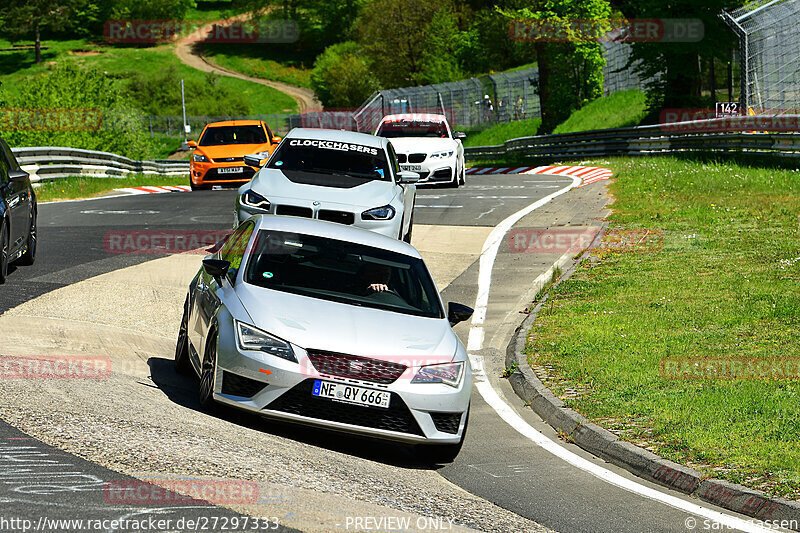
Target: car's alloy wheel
30 249
3 253
207 374
182 364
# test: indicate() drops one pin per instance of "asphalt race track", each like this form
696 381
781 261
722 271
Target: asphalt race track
143 422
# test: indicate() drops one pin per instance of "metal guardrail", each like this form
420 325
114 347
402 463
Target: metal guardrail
48 163
733 134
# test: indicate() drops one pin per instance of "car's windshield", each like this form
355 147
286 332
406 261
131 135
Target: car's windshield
409 128
343 272
219 135
331 157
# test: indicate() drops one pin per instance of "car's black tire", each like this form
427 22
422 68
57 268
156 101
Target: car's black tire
29 256
444 453
182 363
207 373
456 181
198 187
463 176
4 250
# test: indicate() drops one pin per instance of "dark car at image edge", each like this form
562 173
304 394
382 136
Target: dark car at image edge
18 212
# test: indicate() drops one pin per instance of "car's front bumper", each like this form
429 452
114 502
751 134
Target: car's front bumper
343 214
274 387
434 170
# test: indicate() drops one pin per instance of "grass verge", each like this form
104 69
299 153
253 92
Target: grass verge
500 133
76 187
722 287
617 110
276 62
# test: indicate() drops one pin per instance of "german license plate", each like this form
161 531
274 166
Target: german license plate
230 170
351 394
412 168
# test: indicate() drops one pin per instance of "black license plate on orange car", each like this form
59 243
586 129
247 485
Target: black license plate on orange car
351 394
230 170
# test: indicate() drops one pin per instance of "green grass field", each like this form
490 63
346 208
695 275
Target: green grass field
617 110
723 286
500 133
276 62
83 187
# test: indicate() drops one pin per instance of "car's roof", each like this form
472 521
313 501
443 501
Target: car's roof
332 230
351 137
234 123
415 117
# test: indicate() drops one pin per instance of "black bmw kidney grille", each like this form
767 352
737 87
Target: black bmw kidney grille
356 367
299 401
340 217
416 158
402 158
237 385
294 211
446 422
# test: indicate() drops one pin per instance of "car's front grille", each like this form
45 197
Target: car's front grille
294 211
228 159
416 158
446 422
355 367
237 385
213 175
402 158
300 401
341 217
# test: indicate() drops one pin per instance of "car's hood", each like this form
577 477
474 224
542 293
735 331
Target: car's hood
277 186
428 145
311 323
233 150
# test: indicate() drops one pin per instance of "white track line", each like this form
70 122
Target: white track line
475 343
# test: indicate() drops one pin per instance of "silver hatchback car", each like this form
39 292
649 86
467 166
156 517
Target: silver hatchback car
329 325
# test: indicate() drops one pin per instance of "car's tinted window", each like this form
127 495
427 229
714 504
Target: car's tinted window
331 157
4 166
412 128
12 161
220 135
342 272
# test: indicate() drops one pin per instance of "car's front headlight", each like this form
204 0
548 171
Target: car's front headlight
253 199
251 338
447 373
386 212
442 155
200 158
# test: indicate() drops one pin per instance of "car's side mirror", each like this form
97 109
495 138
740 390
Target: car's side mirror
17 175
253 161
191 144
406 176
460 135
216 268
276 139
458 313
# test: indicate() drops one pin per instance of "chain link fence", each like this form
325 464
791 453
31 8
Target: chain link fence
769 54
617 74
173 125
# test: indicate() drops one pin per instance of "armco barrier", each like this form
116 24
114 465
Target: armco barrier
733 134
48 163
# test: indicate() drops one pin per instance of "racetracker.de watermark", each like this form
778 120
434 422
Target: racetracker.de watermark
699 120
702 368
159 31
55 367
626 30
50 119
574 240
163 241
180 492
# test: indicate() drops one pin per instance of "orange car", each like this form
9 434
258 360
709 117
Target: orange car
218 158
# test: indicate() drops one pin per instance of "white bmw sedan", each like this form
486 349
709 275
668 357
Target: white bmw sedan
338 176
328 325
425 144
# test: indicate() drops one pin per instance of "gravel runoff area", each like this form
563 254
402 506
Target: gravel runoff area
144 421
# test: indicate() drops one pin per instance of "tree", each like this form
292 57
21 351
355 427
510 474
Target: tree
393 33
571 68
24 16
439 62
342 77
675 68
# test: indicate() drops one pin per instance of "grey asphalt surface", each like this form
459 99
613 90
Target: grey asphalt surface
496 463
